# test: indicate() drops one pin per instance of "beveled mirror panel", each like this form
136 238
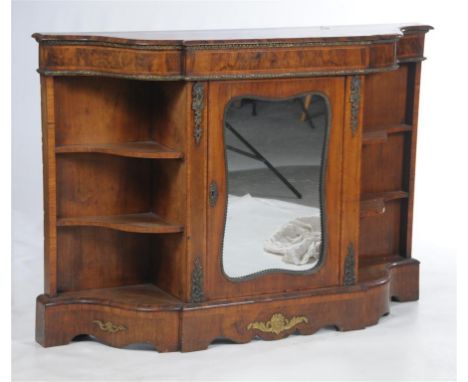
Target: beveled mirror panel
275 155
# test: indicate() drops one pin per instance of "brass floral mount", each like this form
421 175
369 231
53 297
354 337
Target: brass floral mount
109 326
277 323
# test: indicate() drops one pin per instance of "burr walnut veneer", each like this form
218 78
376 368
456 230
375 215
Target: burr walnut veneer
135 187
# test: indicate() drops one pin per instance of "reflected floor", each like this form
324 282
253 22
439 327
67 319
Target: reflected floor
251 221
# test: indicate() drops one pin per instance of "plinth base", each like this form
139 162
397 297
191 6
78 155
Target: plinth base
145 314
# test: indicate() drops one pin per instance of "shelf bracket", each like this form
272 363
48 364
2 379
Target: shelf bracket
198 92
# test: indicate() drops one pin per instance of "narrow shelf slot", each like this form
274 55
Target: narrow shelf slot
141 149
138 223
374 204
381 135
147 297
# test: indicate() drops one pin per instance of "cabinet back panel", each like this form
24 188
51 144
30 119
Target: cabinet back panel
101 110
169 251
385 95
381 235
383 165
94 184
169 183
90 257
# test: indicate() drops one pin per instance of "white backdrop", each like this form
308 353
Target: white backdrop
423 346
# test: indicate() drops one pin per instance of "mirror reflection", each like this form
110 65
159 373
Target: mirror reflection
274 155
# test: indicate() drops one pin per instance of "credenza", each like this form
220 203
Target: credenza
226 184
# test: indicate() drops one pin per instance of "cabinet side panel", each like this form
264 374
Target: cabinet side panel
169 114
169 189
50 185
414 78
168 252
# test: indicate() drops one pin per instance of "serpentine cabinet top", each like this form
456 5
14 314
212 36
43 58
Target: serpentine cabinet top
233 54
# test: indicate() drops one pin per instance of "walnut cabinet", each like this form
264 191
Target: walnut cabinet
226 184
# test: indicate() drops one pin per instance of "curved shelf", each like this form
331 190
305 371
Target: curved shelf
142 149
141 297
137 223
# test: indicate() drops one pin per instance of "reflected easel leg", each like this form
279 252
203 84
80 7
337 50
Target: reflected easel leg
305 116
258 156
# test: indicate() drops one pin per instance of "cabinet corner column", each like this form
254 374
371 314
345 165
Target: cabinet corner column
50 185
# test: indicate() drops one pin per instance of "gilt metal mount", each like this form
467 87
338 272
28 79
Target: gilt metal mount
198 95
277 323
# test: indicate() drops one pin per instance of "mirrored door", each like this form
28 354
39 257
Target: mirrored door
275 151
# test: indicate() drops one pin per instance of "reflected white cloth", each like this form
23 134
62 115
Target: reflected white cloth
249 222
298 241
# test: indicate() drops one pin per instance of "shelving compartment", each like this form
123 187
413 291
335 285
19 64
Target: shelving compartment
386 161
142 119
121 181
124 194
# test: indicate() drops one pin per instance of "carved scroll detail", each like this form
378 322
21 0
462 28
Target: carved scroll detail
277 323
355 99
109 326
197 294
349 265
198 91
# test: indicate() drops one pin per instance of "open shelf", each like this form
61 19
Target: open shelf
146 297
381 135
137 223
142 149
120 192
374 204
